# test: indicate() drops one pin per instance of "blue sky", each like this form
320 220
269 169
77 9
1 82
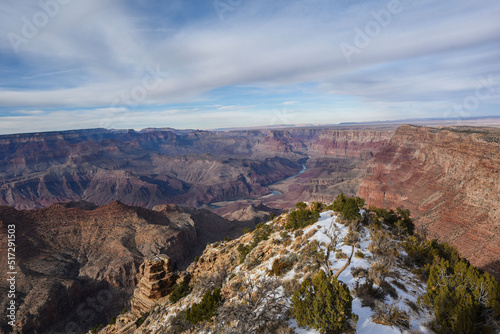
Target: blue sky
68 64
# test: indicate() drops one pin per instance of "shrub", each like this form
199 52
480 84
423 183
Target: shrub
324 305
247 230
391 315
389 289
301 205
179 292
301 218
399 220
280 267
339 202
368 293
359 272
244 250
258 306
359 254
318 206
206 308
339 254
462 299
141 320
261 233
350 210
179 323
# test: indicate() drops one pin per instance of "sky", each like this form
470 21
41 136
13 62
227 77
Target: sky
68 64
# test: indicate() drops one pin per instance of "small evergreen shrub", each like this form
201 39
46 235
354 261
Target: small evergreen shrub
463 299
179 292
141 320
301 218
261 233
324 305
206 308
301 205
359 254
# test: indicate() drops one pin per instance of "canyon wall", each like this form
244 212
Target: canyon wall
449 179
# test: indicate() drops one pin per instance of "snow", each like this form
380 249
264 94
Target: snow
365 325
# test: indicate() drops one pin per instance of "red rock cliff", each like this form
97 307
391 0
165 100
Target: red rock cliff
449 179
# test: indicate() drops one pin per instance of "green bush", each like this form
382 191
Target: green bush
463 299
324 305
301 205
206 308
359 254
244 250
141 320
338 204
399 220
318 206
179 292
350 210
301 218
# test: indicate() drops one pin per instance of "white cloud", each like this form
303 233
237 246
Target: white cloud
93 53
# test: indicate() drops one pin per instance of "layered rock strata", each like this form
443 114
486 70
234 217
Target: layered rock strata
449 179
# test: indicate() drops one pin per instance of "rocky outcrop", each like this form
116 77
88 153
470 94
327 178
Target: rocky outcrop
244 212
155 280
448 178
76 263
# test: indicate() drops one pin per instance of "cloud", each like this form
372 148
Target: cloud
94 54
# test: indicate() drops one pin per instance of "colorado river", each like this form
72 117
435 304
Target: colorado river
277 193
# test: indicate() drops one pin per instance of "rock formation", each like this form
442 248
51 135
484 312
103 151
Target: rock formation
449 179
155 280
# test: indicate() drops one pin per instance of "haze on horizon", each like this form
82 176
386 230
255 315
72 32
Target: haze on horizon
67 64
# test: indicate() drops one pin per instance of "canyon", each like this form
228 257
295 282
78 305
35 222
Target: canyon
449 179
77 263
185 167
90 205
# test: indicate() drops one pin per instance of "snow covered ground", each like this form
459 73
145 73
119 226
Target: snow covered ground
365 325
